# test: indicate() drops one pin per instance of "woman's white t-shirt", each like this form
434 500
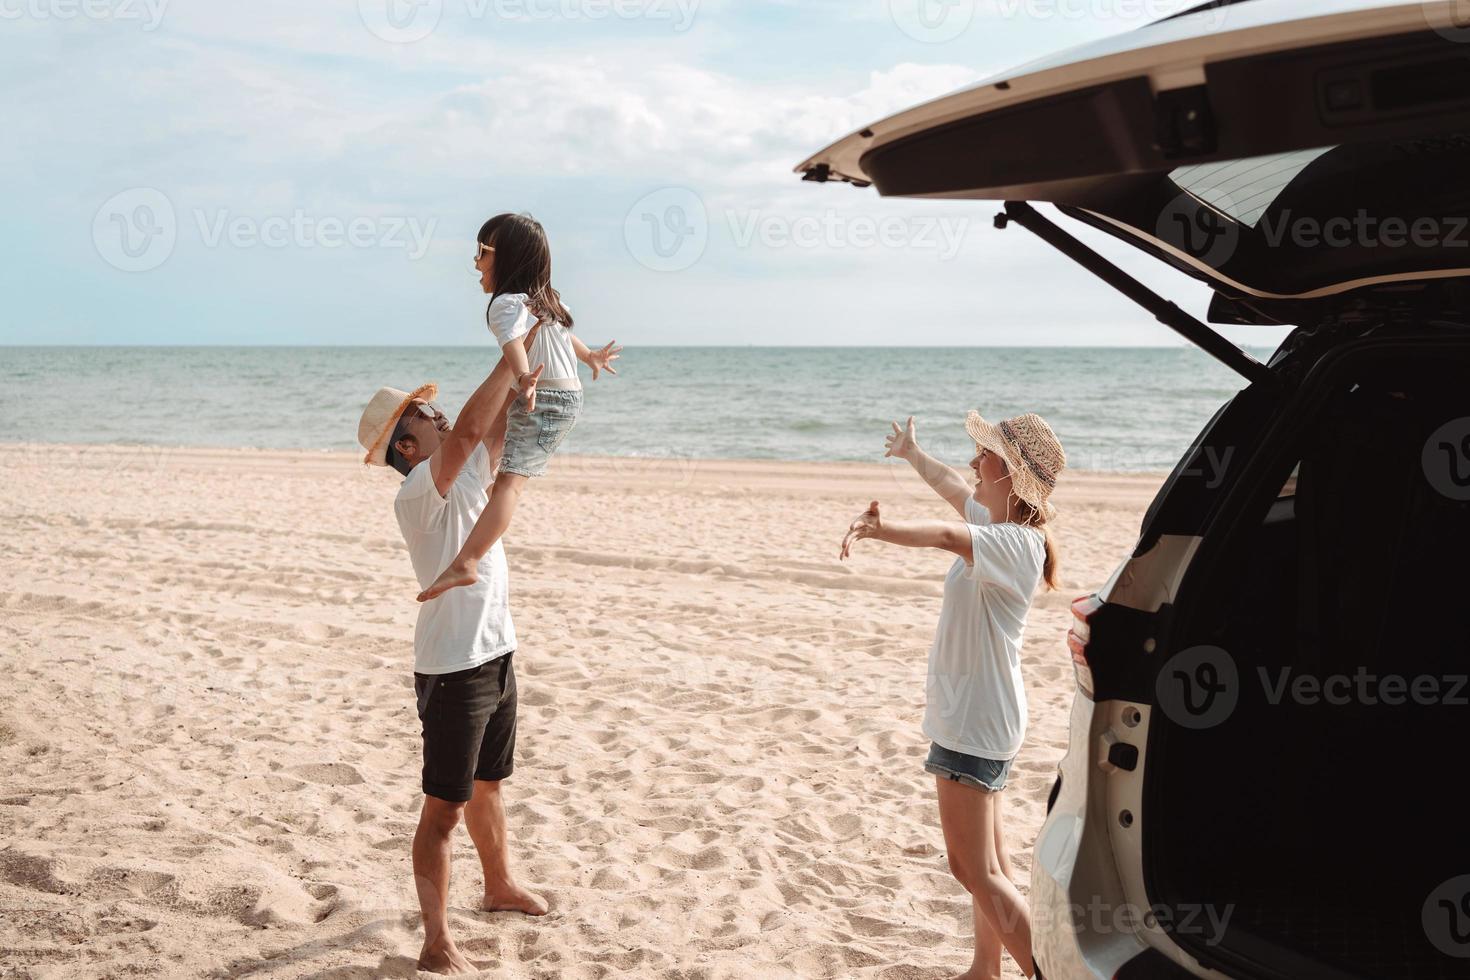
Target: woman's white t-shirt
975 694
509 318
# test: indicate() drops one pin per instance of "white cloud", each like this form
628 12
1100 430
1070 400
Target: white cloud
587 118
293 106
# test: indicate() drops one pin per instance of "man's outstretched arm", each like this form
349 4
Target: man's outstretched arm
472 427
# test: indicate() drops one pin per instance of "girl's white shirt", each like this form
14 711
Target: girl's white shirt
509 318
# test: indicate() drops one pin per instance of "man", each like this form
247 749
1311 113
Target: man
463 646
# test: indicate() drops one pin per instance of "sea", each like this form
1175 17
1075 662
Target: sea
1116 409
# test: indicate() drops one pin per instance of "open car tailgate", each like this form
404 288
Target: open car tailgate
1230 142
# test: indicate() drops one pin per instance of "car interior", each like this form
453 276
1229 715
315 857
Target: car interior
1352 563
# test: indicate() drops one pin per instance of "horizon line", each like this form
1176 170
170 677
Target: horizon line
1183 345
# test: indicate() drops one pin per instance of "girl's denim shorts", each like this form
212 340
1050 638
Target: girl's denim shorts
532 437
985 774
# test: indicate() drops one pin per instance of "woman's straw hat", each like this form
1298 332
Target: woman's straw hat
381 417
1032 453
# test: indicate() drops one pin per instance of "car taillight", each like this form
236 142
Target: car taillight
1078 637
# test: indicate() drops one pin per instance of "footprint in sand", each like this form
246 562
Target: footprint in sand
326 895
32 872
709 859
113 924
318 631
329 774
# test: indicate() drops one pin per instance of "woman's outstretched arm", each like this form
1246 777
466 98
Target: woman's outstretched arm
945 535
944 479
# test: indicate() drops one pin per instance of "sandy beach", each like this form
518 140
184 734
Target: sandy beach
211 755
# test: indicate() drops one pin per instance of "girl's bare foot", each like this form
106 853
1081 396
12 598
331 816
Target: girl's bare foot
511 897
456 575
444 957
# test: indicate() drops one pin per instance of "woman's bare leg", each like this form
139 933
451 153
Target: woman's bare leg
987 941
978 861
504 496
986 963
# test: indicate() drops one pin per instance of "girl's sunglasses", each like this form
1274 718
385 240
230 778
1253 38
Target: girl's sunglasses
479 252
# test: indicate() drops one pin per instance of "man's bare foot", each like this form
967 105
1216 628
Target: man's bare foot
511 897
456 575
444 957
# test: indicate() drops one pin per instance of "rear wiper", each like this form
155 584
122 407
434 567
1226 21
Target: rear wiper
1171 316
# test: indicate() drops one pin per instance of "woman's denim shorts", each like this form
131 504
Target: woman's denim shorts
987 774
531 438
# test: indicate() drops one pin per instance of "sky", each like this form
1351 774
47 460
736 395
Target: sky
314 172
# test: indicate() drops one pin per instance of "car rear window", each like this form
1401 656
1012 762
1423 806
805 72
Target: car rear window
1244 188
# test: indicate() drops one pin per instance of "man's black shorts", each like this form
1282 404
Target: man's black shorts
469 721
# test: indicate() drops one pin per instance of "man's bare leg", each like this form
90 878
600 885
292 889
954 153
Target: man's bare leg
485 818
431 850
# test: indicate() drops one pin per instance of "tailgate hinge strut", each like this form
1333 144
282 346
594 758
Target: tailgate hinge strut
1165 312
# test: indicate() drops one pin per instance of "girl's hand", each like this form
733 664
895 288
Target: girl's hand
903 444
527 384
601 359
866 525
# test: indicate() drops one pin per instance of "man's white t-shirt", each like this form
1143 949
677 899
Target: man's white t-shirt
470 625
509 319
976 697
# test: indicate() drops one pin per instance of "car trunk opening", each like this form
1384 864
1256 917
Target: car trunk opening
1311 801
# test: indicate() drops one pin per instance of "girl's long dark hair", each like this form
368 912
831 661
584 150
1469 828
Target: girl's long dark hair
523 264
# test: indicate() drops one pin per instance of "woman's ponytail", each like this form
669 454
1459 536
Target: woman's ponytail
1029 516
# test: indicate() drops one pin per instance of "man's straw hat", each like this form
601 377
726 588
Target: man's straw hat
381 417
1032 453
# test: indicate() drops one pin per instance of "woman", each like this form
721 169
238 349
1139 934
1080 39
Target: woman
976 712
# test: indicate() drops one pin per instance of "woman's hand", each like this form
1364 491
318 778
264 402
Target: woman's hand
601 359
866 525
903 444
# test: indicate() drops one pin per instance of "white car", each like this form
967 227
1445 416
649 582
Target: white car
1271 709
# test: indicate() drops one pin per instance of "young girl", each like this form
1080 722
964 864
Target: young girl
514 262
976 712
